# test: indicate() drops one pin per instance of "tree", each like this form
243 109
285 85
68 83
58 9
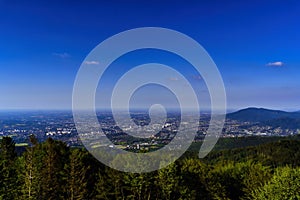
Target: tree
53 174
77 175
236 180
194 174
139 185
33 165
255 176
169 180
8 175
110 184
284 184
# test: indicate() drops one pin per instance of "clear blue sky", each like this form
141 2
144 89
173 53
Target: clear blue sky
255 44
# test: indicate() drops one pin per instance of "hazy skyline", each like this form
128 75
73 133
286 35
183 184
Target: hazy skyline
255 46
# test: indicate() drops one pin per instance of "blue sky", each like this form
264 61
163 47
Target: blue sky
256 46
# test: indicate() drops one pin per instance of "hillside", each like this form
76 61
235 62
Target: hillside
261 115
283 152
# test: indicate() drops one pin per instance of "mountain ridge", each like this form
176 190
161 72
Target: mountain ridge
253 114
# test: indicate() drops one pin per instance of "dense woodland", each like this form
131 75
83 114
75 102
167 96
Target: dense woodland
51 170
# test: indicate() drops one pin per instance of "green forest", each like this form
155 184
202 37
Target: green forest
52 170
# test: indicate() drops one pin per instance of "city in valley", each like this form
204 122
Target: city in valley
60 125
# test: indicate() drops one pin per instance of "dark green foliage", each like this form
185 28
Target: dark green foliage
8 175
31 174
53 175
77 178
51 170
195 180
139 186
241 142
280 153
169 180
238 179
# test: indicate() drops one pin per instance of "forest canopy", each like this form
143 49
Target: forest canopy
52 170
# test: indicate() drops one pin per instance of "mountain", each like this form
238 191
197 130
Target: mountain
283 123
262 115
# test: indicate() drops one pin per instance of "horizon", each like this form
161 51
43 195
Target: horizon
205 111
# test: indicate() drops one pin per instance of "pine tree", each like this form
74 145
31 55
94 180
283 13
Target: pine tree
53 175
110 184
77 175
8 173
33 158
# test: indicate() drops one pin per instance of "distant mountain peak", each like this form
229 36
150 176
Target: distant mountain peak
253 114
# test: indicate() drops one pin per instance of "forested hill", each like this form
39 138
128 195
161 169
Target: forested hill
261 115
280 153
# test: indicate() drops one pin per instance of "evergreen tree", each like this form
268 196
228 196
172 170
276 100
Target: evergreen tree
53 175
77 175
33 158
139 186
8 175
110 184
